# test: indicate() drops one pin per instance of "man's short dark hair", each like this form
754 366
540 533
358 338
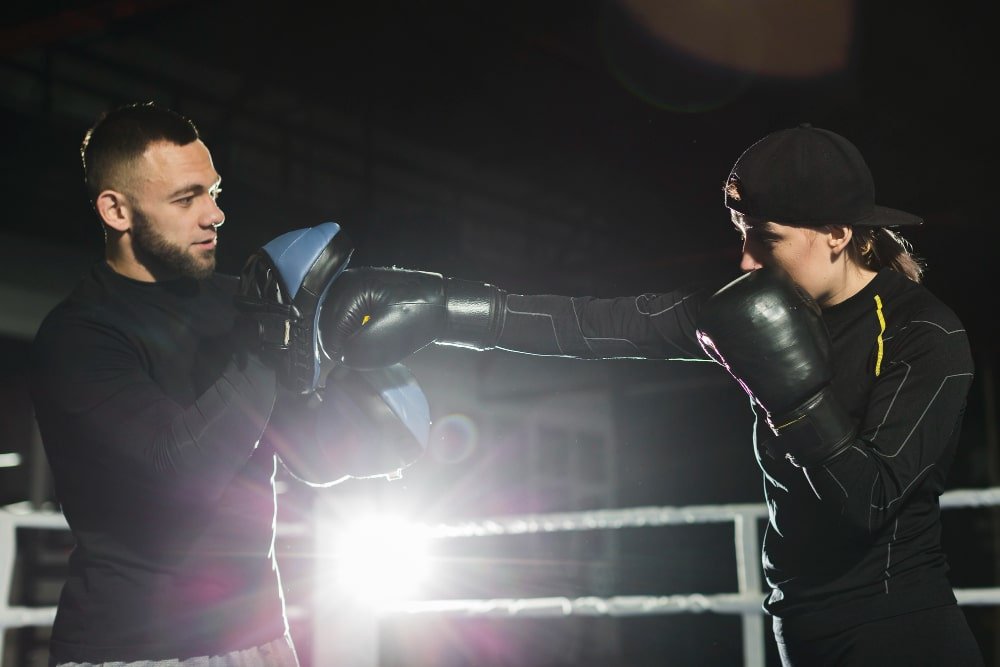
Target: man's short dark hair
120 136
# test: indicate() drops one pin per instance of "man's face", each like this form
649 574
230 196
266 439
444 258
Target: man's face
154 249
801 252
175 214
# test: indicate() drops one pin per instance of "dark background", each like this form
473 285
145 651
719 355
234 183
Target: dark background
567 147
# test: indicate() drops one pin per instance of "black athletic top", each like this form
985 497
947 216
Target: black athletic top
151 425
858 538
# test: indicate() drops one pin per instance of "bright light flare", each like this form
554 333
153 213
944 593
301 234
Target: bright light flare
380 559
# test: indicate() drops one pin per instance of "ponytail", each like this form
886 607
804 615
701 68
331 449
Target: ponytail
879 247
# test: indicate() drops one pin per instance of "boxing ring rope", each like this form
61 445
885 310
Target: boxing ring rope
12 518
746 601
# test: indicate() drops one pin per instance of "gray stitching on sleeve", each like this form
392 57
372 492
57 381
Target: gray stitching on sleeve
935 324
660 312
903 492
837 481
623 340
871 499
937 392
551 319
579 327
888 553
895 395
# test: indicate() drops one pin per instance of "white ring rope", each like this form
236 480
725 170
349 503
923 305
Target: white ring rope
621 605
634 517
641 517
971 498
726 603
12 517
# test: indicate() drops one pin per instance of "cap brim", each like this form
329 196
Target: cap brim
883 216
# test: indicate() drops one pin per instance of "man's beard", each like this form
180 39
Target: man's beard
162 256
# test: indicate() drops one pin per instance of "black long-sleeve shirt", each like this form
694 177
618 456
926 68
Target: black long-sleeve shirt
151 425
860 537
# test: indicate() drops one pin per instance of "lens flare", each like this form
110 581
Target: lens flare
379 559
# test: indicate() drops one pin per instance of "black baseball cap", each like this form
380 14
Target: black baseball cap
811 177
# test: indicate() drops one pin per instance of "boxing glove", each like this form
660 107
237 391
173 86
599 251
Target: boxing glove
374 317
769 335
281 290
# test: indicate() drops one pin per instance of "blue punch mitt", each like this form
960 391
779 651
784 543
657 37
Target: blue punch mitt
371 423
281 290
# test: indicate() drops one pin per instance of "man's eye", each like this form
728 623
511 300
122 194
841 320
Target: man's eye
185 201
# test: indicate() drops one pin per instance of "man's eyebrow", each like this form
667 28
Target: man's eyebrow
195 189
192 188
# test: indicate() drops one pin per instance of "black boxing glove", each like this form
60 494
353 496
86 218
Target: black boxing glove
374 317
770 336
281 291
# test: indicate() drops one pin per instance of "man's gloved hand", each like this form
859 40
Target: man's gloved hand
769 334
281 292
361 424
375 317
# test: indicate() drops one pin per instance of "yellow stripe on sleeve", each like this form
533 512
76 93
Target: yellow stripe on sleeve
881 324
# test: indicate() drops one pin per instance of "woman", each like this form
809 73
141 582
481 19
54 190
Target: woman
858 374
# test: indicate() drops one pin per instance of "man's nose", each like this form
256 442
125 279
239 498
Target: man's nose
215 217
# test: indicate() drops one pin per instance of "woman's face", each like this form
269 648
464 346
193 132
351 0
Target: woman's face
806 254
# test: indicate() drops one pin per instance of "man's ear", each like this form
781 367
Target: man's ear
114 209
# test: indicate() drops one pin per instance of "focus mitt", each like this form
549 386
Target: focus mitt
282 287
361 424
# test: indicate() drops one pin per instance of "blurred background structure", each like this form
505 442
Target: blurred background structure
568 146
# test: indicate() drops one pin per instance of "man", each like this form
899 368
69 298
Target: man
858 376
156 397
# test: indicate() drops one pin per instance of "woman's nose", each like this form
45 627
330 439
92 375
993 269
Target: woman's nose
747 261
